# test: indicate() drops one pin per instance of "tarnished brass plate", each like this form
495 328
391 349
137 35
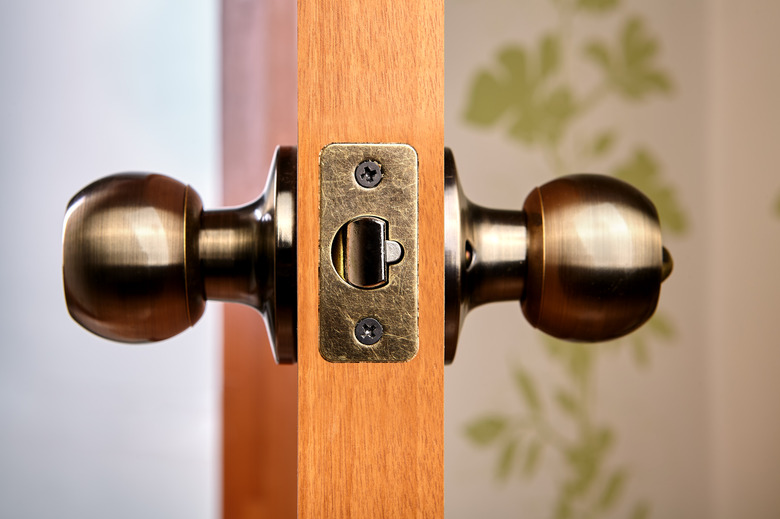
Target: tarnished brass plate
394 305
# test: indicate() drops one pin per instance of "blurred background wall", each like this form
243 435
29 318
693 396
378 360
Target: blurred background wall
743 230
677 421
680 419
538 428
90 428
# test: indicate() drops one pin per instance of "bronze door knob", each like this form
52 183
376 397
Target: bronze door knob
141 256
584 257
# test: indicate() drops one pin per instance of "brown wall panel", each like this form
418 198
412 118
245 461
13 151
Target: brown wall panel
259 397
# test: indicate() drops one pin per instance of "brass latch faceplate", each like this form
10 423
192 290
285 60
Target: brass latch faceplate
368 271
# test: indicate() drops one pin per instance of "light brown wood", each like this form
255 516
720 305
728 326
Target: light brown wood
370 438
259 397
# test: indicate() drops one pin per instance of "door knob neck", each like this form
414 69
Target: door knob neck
494 255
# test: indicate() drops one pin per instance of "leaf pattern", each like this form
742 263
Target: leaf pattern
630 67
486 430
643 171
527 389
597 5
532 458
525 92
777 206
567 402
612 490
603 143
520 90
506 459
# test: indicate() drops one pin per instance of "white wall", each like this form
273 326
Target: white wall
89 428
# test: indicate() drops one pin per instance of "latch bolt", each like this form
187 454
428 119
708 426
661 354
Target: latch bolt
361 252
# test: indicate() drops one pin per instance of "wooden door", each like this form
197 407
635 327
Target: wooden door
369 436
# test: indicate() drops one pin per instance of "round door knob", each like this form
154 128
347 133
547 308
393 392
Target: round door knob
141 256
130 261
595 259
584 257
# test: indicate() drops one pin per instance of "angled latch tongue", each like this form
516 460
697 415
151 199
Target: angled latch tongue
362 252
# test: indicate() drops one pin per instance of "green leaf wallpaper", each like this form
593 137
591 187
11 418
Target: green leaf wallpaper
526 93
628 66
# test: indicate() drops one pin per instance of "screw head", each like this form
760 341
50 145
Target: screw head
368 331
368 173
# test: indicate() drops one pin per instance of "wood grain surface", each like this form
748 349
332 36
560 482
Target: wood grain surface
259 398
370 436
